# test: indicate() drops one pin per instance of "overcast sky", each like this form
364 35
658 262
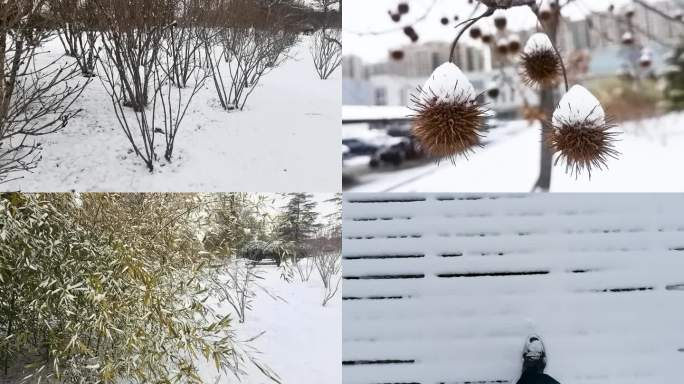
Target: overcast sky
362 16
324 208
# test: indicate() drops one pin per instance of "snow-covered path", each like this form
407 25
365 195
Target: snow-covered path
651 157
287 139
444 288
302 339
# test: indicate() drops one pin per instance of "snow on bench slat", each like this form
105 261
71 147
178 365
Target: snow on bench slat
443 288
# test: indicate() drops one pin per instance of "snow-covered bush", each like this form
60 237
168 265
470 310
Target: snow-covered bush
109 288
259 250
326 52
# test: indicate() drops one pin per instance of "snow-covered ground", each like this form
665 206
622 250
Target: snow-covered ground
651 155
445 288
287 139
302 338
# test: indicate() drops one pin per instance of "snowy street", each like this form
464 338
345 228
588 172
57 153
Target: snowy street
445 288
509 163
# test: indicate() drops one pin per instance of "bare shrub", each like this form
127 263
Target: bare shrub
77 31
240 282
36 95
241 57
132 34
134 65
326 51
182 43
329 267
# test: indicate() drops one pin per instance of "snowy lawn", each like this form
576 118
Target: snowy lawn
302 339
652 151
286 139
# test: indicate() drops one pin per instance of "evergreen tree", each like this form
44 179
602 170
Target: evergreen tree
674 92
235 220
298 221
334 219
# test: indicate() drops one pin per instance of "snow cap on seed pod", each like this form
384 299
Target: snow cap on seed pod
540 65
448 120
627 38
581 133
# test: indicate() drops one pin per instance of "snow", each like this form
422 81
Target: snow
288 138
538 41
650 155
449 83
366 112
461 319
579 105
302 338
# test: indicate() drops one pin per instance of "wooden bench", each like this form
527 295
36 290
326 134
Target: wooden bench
445 288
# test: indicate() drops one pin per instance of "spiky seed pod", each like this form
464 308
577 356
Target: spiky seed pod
448 121
540 65
645 61
628 38
629 11
403 8
475 32
514 44
487 37
493 90
444 21
502 46
500 21
646 58
396 17
397 55
581 134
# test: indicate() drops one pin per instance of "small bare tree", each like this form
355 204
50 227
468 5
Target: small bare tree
329 266
77 31
36 99
326 51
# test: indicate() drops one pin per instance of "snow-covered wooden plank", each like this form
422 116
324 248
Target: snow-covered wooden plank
443 288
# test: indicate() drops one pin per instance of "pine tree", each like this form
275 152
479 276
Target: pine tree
674 92
298 221
334 219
